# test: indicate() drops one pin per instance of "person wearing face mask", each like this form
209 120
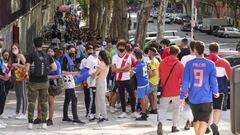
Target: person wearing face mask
17 59
5 73
68 81
91 66
121 66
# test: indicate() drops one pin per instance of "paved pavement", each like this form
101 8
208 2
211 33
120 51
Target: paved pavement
114 126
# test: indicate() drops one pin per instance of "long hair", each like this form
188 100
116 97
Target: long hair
104 57
13 57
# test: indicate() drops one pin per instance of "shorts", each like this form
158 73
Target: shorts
218 102
153 88
142 91
201 112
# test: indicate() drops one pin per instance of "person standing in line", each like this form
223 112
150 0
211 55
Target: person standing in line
121 66
91 66
223 76
184 49
38 63
141 72
170 72
153 79
101 86
199 83
18 60
68 72
188 111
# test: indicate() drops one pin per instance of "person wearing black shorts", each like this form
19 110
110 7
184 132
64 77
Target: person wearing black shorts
200 82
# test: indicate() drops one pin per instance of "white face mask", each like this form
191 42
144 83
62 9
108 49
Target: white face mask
97 53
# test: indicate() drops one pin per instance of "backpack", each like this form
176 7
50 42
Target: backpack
40 65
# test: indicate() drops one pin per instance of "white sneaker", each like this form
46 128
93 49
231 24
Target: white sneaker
2 126
3 116
123 115
135 115
90 116
2 123
113 109
30 125
13 115
44 126
21 117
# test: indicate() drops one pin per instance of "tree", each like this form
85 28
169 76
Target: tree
119 24
92 14
235 6
143 22
161 19
106 18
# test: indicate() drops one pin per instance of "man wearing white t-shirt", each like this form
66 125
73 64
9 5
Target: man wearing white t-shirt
188 110
121 66
91 65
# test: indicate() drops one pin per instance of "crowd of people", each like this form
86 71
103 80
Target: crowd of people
112 72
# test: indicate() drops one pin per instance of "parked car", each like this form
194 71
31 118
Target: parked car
150 20
168 20
228 32
186 27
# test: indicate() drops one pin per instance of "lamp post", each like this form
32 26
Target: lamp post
193 19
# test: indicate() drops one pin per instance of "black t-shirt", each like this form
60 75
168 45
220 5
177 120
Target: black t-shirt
32 77
64 64
184 52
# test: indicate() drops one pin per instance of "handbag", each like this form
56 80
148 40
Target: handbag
161 87
21 73
56 88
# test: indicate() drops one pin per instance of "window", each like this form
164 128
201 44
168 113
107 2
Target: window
152 35
229 29
15 6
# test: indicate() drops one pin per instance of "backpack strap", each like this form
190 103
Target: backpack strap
120 74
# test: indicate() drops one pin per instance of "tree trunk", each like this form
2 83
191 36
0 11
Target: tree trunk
106 18
217 11
100 9
185 6
161 19
92 14
119 25
143 23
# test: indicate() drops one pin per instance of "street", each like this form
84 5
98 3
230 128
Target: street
115 126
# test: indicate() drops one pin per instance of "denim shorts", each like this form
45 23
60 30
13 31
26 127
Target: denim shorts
153 88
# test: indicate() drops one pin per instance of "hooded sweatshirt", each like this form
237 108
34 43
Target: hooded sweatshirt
223 72
173 84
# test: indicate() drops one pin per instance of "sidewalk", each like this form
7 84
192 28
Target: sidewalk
114 126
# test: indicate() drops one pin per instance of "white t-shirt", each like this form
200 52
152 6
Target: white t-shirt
117 61
83 63
187 58
91 64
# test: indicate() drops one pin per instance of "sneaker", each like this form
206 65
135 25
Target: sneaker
30 125
159 129
113 110
2 126
67 120
2 123
44 126
214 128
123 115
102 120
174 129
207 131
135 115
37 121
187 126
91 117
153 112
142 118
21 117
13 115
49 122
3 116
78 122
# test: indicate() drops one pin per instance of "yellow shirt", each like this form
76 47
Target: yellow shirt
154 64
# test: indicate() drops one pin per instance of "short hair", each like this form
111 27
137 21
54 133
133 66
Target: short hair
70 47
214 47
199 47
38 42
121 43
146 50
128 47
138 53
165 42
153 49
174 50
192 45
185 41
96 46
154 44
89 47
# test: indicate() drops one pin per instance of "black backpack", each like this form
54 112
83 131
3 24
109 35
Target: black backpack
40 65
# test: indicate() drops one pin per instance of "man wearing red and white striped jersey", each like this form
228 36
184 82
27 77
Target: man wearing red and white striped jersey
121 66
223 74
